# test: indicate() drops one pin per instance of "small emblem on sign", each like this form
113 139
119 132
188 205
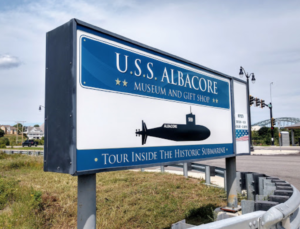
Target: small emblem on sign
118 81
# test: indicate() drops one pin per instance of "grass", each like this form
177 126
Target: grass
13 137
31 198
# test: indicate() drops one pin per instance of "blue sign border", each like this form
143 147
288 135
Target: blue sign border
98 159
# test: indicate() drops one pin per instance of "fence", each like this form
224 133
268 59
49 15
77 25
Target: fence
25 152
271 202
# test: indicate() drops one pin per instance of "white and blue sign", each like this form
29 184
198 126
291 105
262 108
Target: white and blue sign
113 68
241 118
136 107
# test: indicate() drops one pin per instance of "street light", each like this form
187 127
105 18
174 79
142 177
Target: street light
271 91
242 72
40 107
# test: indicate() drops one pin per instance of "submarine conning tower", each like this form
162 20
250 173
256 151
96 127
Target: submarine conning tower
190 119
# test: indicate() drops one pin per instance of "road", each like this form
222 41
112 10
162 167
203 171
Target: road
277 148
285 167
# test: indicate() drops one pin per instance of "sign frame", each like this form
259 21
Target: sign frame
60 98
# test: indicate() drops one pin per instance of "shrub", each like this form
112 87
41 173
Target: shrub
40 141
4 141
12 144
2 146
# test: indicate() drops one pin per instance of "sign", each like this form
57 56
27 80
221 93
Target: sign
241 108
130 105
241 127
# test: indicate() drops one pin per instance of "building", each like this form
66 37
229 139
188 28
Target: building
34 132
293 128
8 129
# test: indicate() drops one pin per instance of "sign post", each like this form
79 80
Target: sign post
116 104
279 134
86 202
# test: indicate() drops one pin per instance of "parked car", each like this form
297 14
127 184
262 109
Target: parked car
29 143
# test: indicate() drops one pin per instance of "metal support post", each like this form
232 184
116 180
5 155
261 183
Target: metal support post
162 169
286 223
142 170
249 116
207 174
86 202
293 137
185 170
232 200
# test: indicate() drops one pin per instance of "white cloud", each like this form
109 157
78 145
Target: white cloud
7 61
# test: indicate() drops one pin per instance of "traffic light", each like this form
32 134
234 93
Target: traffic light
262 103
257 102
273 122
251 100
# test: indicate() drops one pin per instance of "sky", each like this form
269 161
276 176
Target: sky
262 36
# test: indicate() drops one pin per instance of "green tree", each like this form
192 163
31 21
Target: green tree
19 127
36 125
1 133
264 131
255 135
297 135
264 136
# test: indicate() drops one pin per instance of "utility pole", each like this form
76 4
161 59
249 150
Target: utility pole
272 122
22 131
17 133
22 122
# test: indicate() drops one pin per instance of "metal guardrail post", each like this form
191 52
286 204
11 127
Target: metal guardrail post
249 186
185 170
207 174
295 219
162 169
238 183
286 223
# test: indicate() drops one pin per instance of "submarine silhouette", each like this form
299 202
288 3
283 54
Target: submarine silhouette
176 132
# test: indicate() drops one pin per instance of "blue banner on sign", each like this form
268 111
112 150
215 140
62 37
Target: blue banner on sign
106 66
98 159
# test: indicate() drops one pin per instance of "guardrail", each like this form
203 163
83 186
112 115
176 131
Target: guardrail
25 152
284 215
208 170
271 202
